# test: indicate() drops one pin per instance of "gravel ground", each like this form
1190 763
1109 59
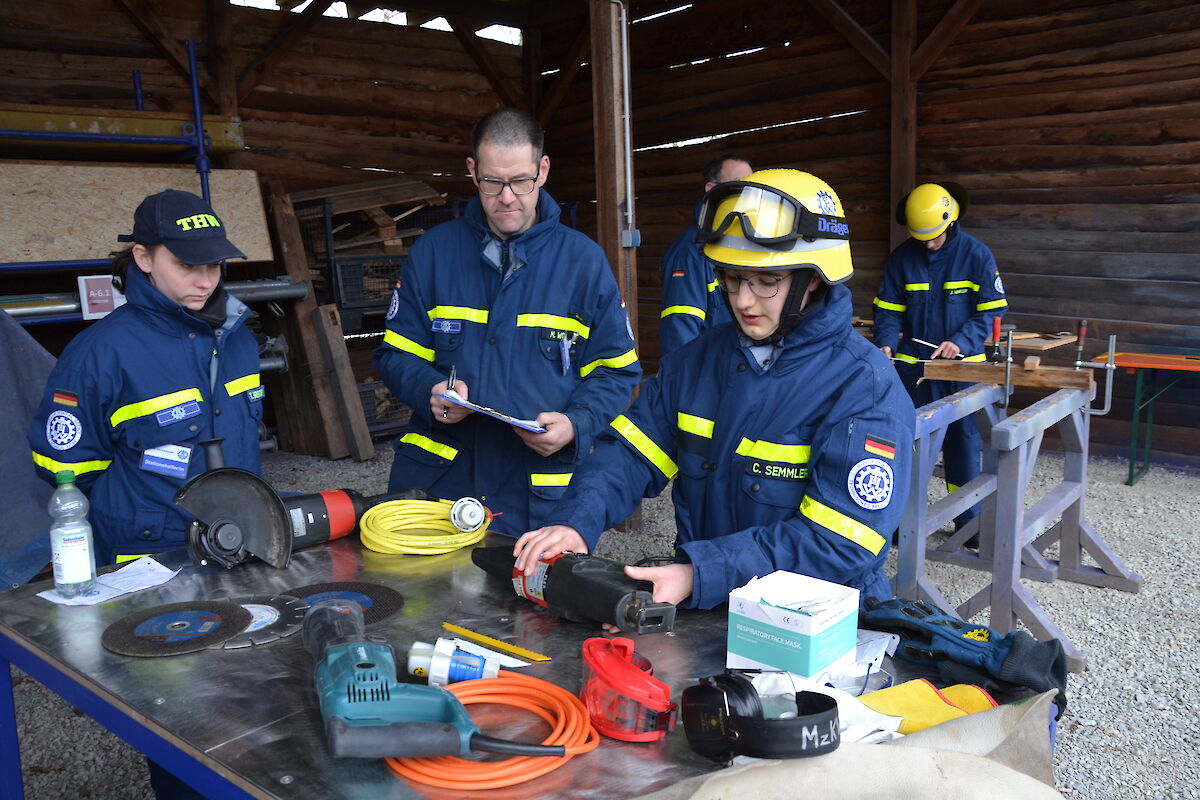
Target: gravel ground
1133 717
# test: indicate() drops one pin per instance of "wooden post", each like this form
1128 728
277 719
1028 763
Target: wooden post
220 56
306 411
614 195
614 213
904 108
327 323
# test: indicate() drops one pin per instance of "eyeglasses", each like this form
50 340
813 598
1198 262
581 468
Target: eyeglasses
494 186
764 286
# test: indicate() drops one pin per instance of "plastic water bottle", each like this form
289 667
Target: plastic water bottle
71 538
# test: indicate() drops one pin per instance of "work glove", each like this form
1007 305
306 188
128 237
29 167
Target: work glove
966 653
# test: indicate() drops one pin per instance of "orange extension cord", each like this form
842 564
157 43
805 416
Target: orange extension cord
560 709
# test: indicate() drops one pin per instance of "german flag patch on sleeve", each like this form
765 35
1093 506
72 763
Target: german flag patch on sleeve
880 446
65 398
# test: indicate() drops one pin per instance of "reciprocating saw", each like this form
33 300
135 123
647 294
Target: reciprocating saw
369 714
582 588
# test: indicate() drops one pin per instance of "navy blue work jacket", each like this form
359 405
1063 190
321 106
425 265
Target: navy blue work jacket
128 403
950 294
691 300
531 323
801 465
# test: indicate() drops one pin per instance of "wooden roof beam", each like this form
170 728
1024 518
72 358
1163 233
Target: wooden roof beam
220 55
150 26
858 37
289 33
942 36
489 12
465 32
579 51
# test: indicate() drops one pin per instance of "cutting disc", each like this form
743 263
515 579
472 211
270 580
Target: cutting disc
378 602
272 617
175 628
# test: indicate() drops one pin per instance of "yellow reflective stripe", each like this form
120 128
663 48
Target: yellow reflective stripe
429 445
551 478
961 285
78 467
243 384
123 559
623 360
695 312
906 359
977 357
712 287
988 306
916 287
842 525
554 322
407 345
645 445
459 312
890 306
153 405
769 451
690 423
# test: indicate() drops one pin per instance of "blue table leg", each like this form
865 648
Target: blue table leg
11 784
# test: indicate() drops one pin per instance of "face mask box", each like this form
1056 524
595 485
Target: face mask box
791 622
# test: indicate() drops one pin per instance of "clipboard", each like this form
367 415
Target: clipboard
528 424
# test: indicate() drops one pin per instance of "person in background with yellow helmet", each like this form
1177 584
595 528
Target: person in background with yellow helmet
941 286
788 435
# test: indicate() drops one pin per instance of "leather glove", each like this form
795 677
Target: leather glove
966 653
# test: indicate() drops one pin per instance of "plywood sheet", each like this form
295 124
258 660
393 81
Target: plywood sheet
67 212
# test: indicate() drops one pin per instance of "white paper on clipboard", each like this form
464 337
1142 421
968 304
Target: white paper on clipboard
458 400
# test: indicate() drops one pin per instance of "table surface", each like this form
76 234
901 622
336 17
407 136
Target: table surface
254 713
1178 362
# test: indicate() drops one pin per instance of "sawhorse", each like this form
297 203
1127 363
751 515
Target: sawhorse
1011 538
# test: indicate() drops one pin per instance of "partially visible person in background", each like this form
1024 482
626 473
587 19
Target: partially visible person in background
690 300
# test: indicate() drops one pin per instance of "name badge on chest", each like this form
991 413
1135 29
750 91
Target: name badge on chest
169 416
171 460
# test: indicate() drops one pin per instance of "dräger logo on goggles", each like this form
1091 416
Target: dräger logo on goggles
827 225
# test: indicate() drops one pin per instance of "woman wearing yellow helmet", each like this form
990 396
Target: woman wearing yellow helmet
787 434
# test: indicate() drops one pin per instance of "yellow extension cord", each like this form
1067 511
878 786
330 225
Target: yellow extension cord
415 527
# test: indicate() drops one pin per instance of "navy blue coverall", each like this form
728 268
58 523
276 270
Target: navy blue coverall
691 300
129 402
531 323
950 294
799 465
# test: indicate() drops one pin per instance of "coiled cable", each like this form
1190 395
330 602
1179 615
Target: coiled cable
566 715
415 527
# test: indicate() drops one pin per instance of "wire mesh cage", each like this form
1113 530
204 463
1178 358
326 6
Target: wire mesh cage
365 282
385 414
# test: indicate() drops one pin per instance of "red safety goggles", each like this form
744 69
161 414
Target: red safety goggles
623 698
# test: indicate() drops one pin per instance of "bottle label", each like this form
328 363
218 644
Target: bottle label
73 559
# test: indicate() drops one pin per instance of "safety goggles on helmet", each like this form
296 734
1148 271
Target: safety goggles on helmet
769 217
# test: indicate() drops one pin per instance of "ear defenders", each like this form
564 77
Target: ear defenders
723 718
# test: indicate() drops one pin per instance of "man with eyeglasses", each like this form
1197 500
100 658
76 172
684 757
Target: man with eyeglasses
690 301
526 315
787 434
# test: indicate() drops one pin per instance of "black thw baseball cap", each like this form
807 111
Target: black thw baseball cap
185 225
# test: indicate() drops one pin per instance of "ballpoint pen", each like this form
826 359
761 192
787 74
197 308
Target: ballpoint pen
449 388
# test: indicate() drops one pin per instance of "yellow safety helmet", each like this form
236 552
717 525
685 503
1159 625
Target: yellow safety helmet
929 209
777 219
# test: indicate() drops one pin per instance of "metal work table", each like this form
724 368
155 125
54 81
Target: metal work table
245 722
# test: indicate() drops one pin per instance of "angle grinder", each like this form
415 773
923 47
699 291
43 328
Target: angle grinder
238 515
